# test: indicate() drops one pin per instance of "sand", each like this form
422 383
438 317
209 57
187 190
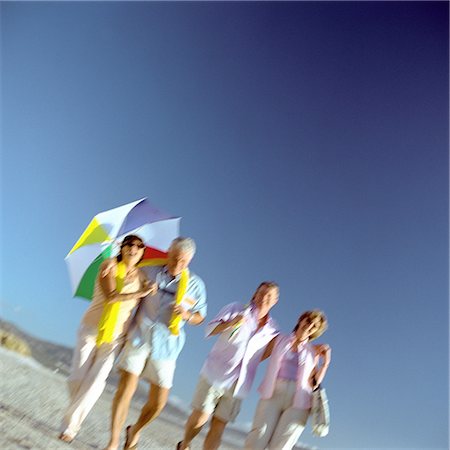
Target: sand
33 400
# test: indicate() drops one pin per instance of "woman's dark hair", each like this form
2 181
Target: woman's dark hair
129 240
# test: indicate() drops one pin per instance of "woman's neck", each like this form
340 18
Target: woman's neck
129 267
300 341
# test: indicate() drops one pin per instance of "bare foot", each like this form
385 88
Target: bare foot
112 445
132 438
66 438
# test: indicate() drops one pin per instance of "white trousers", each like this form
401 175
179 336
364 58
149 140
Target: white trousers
277 425
91 366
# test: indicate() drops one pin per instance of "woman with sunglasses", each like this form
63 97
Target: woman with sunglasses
103 328
296 367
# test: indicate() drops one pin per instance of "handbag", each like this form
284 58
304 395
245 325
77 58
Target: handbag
320 412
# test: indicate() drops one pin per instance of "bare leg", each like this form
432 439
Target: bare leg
193 426
121 404
157 399
214 436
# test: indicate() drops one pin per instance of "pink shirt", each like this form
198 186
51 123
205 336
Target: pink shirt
238 351
302 397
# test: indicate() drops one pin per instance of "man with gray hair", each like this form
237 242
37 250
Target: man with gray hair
157 338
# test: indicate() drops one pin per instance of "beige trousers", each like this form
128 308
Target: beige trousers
91 366
277 425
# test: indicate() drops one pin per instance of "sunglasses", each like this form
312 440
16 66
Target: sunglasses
139 245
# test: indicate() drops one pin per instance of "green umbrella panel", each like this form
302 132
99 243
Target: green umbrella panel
87 284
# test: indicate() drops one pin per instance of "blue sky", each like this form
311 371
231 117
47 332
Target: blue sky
301 142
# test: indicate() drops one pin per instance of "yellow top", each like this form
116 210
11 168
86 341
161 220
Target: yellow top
112 319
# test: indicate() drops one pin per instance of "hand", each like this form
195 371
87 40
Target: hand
324 350
107 268
313 381
149 288
180 311
236 320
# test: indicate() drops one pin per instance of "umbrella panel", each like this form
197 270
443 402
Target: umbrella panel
87 284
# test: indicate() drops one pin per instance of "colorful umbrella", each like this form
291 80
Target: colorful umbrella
102 237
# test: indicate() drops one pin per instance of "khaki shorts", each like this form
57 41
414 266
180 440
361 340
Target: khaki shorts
217 401
136 361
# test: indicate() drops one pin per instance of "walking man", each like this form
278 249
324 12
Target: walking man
156 341
229 370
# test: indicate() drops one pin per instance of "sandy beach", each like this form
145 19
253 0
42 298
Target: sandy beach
32 402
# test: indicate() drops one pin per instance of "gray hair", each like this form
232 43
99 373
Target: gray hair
184 244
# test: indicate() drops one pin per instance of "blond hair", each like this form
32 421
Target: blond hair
312 315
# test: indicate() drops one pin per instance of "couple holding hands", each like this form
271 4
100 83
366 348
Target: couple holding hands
149 335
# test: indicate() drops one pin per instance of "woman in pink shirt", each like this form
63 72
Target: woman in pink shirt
295 368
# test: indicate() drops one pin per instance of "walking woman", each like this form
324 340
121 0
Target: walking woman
102 331
295 368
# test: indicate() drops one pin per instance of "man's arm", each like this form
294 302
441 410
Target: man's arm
226 325
192 318
222 320
269 349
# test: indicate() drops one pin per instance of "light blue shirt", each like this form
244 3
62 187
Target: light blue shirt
154 313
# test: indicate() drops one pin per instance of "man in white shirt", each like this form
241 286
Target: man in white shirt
229 370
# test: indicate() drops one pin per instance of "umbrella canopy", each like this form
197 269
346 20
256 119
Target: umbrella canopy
102 237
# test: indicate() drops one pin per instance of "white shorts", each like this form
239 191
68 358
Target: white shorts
217 401
137 361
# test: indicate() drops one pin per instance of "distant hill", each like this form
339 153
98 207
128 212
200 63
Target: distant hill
53 356
11 342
